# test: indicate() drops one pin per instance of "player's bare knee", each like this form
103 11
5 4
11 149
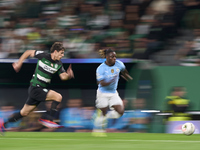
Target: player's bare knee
121 112
104 113
24 114
119 109
59 98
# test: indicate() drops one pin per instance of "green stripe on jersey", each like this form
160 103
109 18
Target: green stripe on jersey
44 75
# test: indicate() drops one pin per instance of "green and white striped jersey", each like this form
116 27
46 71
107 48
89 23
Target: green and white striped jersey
45 69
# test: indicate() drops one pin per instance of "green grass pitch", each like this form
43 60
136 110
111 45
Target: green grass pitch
84 141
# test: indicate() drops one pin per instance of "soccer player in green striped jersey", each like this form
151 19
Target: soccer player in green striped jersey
48 64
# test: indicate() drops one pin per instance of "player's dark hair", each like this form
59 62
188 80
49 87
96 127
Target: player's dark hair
57 46
177 89
104 52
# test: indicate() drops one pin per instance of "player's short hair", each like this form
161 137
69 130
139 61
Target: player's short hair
57 46
178 89
104 52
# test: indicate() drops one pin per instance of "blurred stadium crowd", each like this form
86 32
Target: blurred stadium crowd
133 28
78 118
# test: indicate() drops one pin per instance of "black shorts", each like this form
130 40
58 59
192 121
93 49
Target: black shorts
36 95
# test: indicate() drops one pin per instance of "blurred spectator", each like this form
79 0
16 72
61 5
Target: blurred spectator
139 46
139 120
192 14
76 118
116 12
132 16
84 13
94 1
179 11
95 52
80 24
194 4
142 28
189 55
34 34
11 43
154 40
5 112
87 113
169 22
72 117
30 123
67 17
161 6
82 45
178 104
98 19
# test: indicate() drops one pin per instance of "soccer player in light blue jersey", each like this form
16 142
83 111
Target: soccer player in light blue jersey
107 75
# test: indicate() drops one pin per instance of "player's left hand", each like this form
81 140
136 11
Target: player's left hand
126 75
70 72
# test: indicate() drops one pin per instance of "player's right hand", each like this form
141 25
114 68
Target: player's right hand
16 66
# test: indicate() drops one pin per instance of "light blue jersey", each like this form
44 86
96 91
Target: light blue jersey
107 73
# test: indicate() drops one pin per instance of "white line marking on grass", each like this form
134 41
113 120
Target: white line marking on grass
164 141
40 139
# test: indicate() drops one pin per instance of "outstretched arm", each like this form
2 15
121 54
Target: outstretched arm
125 75
68 74
17 65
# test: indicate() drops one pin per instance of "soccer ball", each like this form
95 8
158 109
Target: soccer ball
188 128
